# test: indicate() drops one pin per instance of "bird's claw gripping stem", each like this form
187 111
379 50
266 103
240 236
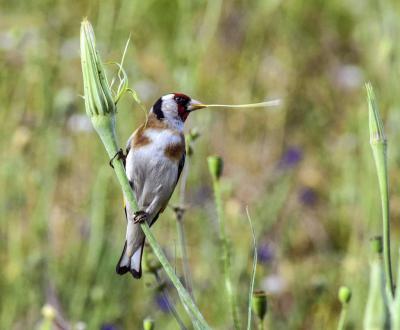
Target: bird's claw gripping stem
140 217
120 156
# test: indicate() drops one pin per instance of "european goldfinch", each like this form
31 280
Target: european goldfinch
155 156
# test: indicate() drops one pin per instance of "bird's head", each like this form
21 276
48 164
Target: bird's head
175 107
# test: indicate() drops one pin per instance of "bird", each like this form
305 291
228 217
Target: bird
154 159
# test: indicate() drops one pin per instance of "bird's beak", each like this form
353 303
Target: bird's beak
195 105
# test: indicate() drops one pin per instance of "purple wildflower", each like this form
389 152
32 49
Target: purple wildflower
308 196
108 326
265 253
291 157
162 303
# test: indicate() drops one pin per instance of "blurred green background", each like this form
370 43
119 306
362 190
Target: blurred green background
304 169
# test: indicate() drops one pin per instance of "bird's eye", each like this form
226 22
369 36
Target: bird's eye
179 99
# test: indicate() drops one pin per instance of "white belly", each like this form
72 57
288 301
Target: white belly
151 172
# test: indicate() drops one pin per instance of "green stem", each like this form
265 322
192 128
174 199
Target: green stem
170 305
379 152
106 130
261 325
185 263
395 306
225 254
181 231
375 309
342 318
253 272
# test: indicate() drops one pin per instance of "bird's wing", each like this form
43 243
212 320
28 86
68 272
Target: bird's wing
128 143
127 149
181 165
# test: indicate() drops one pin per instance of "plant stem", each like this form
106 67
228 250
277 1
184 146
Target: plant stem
106 130
383 187
225 254
182 244
379 150
375 314
342 318
179 212
395 305
170 305
253 272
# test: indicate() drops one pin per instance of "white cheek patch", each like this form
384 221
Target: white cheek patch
169 107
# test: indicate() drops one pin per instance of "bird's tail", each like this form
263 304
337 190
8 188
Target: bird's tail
131 264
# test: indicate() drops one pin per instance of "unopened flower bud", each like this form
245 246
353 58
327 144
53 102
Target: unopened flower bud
344 294
215 165
376 244
193 134
97 91
148 323
259 304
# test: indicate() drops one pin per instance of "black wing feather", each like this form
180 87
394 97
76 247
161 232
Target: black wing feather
181 165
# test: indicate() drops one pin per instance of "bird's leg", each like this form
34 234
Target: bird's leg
154 206
140 216
119 155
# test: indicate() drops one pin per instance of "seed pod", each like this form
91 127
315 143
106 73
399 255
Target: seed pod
97 91
344 295
259 304
215 165
193 134
148 323
376 244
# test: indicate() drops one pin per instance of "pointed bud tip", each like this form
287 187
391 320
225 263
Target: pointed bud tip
97 91
377 134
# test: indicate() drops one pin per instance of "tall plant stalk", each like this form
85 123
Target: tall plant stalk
215 166
395 306
379 150
100 106
342 318
375 309
253 272
168 300
180 212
